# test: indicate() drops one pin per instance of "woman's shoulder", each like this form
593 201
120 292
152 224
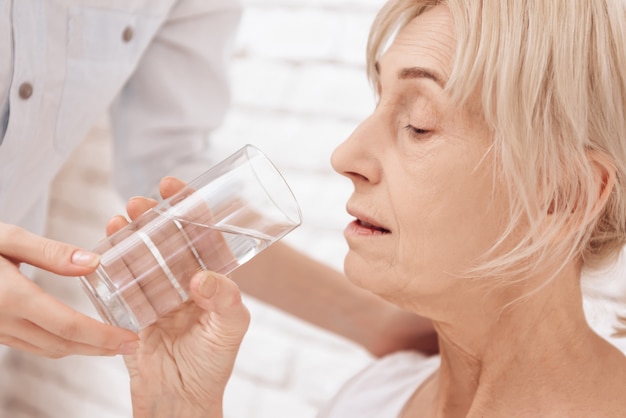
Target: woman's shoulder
383 387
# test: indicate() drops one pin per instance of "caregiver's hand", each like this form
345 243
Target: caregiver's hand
33 321
186 358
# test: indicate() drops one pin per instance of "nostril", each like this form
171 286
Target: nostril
356 176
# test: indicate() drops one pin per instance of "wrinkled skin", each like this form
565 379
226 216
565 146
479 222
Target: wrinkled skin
185 359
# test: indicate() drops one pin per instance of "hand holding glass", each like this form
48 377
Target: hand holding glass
217 222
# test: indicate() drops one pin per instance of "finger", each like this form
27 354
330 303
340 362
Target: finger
221 299
25 335
115 224
21 345
170 186
57 257
59 319
138 205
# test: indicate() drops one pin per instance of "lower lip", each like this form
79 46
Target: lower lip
355 228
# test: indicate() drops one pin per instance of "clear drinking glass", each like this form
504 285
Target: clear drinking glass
217 222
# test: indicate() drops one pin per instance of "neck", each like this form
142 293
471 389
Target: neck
538 353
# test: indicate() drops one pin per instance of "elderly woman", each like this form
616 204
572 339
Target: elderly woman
491 173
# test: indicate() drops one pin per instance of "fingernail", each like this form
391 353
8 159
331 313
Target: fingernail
128 348
142 198
85 258
208 285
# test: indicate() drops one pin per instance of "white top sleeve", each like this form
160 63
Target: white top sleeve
382 389
178 94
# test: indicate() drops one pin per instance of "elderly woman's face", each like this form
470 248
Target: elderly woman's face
424 198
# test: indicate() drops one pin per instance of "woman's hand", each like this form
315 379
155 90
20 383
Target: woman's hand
33 321
186 358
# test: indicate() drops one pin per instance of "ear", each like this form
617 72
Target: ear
602 182
604 177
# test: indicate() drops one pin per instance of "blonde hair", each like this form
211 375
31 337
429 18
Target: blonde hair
551 76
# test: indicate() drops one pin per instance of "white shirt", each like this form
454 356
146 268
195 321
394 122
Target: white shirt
382 389
160 66
6 61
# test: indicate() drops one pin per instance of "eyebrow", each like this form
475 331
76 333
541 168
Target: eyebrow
419 72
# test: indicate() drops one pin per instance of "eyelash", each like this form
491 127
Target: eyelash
416 132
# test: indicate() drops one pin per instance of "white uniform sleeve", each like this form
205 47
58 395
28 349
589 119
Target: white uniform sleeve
162 119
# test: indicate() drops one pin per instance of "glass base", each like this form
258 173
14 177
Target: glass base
104 296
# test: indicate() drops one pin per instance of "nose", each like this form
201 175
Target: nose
357 158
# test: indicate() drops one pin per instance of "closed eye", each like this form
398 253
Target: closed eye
416 132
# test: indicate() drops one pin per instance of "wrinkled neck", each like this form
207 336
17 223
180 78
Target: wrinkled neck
495 359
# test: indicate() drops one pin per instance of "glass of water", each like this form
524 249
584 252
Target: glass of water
219 221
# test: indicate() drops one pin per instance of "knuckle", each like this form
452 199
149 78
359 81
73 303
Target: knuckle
60 349
70 330
52 250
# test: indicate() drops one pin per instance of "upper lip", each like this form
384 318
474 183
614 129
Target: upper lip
364 219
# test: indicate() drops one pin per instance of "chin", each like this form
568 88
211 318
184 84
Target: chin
365 274
356 271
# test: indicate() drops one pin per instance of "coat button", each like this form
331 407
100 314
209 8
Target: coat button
25 90
127 34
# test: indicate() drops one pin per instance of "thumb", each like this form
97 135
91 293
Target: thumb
225 314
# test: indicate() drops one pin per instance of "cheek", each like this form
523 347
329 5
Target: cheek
447 223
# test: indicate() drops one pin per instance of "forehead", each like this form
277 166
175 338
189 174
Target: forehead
427 41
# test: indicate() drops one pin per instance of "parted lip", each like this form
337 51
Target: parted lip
365 220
